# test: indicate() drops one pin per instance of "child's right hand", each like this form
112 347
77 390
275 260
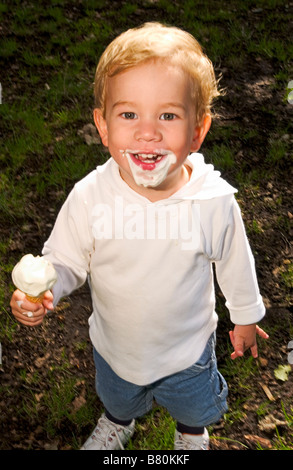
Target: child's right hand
29 313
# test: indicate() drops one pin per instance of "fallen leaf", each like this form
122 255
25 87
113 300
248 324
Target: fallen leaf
39 362
265 443
78 402
267 392
282 372
263 361
38 396
51 446
269 423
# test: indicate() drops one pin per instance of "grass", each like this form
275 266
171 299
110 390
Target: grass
51 52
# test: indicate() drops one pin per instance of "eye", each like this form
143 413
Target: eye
167 116
129 115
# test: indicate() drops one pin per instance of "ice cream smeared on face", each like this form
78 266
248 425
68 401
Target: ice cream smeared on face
34 275
149 169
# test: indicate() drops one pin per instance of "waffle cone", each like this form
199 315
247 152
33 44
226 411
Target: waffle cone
35 300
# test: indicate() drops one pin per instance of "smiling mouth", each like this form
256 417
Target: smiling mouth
149 169
147 157
146 161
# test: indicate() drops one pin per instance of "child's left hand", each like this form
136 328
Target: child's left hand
243 337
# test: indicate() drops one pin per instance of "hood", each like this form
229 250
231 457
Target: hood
205 182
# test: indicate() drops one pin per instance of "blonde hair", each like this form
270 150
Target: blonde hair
154 41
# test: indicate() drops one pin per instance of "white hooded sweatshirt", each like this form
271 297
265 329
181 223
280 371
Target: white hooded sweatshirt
149 267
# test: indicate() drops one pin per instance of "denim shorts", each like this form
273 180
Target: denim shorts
195 396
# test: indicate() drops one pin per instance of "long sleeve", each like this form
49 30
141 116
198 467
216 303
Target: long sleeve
236 274
69 246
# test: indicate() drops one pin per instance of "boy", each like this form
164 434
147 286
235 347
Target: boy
146 228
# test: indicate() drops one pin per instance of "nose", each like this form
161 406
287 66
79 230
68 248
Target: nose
147 131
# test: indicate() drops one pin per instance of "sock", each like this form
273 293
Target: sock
117 421
189 429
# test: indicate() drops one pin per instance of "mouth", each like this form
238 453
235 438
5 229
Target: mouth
149 168
147 161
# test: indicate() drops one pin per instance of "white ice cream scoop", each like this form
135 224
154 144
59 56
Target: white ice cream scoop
34 275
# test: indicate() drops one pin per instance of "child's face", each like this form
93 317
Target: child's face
150 127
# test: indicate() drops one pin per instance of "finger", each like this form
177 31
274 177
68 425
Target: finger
236 353
253 350
19 302
261 332
238 348
31 306
31 321
30 318
48 300
231 334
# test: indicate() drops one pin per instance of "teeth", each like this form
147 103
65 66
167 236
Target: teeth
148 157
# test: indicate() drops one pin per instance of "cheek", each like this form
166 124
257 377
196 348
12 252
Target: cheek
182 147
116 137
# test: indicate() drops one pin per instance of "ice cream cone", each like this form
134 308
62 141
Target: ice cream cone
35 300
34 275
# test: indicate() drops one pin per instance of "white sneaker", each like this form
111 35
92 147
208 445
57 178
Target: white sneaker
108 435
191 442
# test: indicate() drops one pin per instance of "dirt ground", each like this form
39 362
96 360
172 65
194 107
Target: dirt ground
248 101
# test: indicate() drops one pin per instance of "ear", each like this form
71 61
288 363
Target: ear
200 133
101 125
